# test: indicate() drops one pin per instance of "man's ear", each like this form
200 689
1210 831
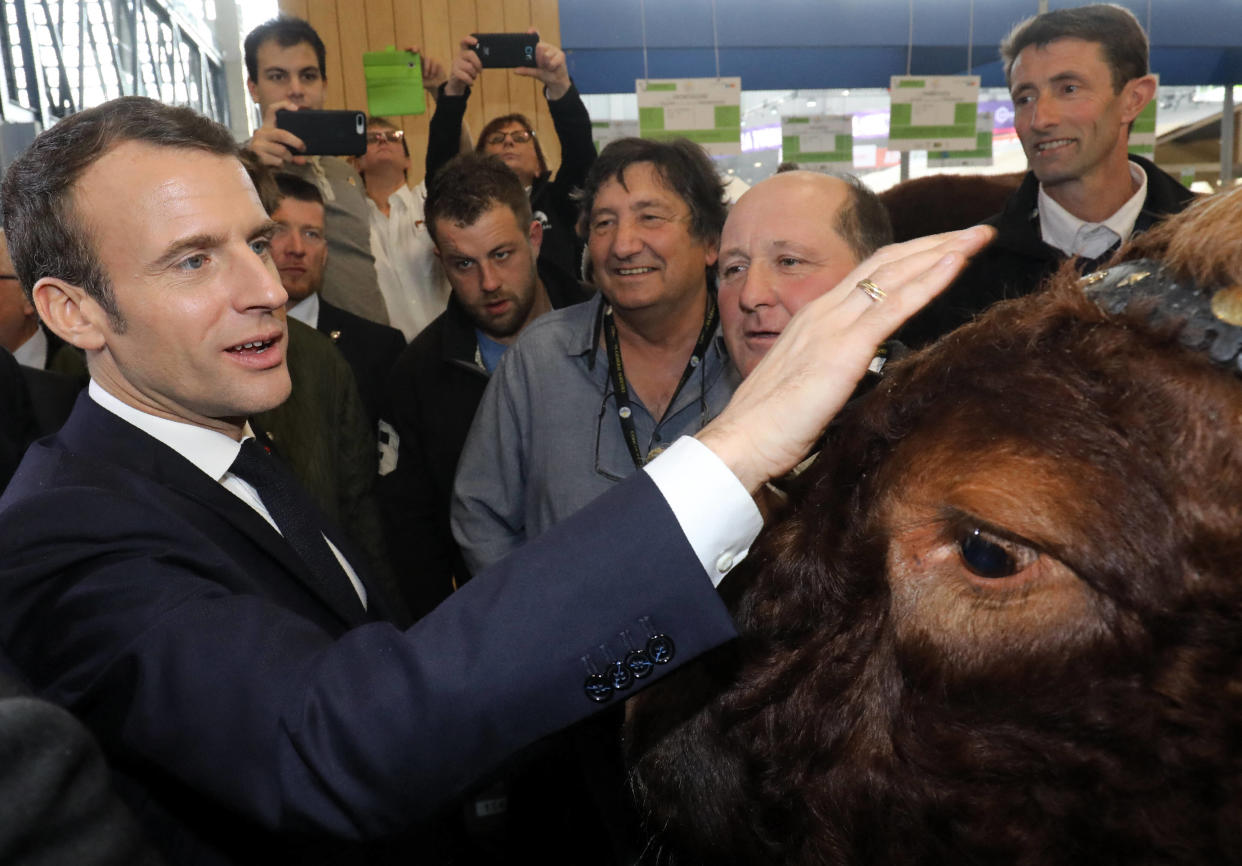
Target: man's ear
253 88
71 313
712 253
536 236
1135 96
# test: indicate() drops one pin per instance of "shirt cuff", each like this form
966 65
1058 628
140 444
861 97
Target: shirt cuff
717 515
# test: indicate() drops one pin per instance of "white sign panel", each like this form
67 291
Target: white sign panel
604 131
705 110
980 154
933 112
824 142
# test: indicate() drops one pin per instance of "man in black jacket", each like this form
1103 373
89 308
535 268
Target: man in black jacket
488 241
1078 78
512 138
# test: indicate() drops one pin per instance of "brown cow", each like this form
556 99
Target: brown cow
1002 621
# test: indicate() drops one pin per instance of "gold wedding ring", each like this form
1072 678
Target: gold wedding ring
871 290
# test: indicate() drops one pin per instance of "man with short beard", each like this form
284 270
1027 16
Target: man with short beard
488 242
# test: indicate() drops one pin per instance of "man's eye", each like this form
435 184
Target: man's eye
463 264
602 225
788 261
310 76
275 76
192 263
653 219
261 246
731 270
501 255
989 555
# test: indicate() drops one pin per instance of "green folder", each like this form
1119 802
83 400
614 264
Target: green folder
394 83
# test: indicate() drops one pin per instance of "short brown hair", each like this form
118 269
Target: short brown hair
45 233
1115 29
469 185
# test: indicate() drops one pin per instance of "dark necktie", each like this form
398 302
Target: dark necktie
299 521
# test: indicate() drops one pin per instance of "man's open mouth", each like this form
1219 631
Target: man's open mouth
1044 146
254 347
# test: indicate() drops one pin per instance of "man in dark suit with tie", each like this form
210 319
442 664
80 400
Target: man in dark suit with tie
300 250
219 640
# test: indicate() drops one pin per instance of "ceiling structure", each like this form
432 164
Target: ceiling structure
783 44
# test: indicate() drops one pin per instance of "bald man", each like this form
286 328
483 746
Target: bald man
788 240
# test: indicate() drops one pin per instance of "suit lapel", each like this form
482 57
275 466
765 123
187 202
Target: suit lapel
94 431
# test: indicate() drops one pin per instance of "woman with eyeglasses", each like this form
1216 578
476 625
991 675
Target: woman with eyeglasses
512 138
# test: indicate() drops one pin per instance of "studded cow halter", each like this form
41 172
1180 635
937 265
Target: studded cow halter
1211 319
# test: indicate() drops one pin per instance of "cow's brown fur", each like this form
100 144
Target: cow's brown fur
886 705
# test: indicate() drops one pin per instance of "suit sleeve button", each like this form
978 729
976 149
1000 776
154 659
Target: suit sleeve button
598 688
639 663
661 649
620 676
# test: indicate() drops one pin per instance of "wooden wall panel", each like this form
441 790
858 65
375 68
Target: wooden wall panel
463 20
350 27
521 89
545 17
294 7
353 30
494 88
322 16
407 31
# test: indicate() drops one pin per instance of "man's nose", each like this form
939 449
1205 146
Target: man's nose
627 239
758 287
489 276
1044 114
259 285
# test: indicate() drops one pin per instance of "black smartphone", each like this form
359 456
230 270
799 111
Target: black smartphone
327 133
506 50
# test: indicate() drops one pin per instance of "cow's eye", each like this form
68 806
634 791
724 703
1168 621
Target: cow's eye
989 555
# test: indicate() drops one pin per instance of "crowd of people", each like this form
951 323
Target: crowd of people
343 515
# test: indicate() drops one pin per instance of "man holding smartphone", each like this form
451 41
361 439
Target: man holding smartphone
512 138
285 67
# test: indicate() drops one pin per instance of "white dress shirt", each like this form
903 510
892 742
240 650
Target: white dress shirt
1074 237
719 518
306 310
33 352
211 452
410 277
717 515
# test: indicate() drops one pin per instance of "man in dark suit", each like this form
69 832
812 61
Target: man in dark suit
300 250
158 577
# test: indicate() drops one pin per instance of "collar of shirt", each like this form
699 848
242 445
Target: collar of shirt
33 352
1062 230
211 451
400 199
306 310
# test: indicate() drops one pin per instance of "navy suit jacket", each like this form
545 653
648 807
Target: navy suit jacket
246 710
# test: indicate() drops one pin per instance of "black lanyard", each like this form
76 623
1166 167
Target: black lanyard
616 370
